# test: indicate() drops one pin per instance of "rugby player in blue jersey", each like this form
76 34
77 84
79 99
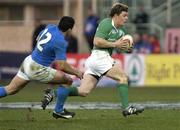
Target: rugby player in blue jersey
51 47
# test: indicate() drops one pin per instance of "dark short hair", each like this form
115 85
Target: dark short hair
65 23
117 8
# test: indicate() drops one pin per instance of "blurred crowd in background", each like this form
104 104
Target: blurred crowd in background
148 23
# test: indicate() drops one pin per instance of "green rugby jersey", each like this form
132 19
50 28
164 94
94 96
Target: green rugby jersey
109 32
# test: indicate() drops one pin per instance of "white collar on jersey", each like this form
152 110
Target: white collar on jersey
114 25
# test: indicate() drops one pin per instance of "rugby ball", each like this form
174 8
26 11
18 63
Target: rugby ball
129 39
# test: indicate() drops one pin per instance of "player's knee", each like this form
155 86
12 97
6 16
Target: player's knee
83 93
123 79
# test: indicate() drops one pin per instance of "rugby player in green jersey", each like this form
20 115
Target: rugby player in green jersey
100 63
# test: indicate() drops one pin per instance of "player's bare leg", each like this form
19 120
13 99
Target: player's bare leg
88 83
13 87
117 73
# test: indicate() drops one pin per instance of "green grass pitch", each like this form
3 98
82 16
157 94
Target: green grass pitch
151 119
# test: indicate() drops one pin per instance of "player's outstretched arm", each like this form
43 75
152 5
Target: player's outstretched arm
67 68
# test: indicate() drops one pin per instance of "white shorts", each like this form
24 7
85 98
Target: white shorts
99 63
31 70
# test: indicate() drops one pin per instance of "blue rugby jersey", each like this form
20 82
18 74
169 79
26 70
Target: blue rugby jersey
51 45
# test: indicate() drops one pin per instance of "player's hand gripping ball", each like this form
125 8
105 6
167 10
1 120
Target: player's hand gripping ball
129 43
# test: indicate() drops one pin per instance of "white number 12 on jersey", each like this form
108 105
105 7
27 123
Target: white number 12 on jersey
40 41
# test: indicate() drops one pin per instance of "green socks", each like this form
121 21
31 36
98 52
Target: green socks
123 93
73 91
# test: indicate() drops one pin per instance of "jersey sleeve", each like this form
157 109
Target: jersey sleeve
103 30
60 50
